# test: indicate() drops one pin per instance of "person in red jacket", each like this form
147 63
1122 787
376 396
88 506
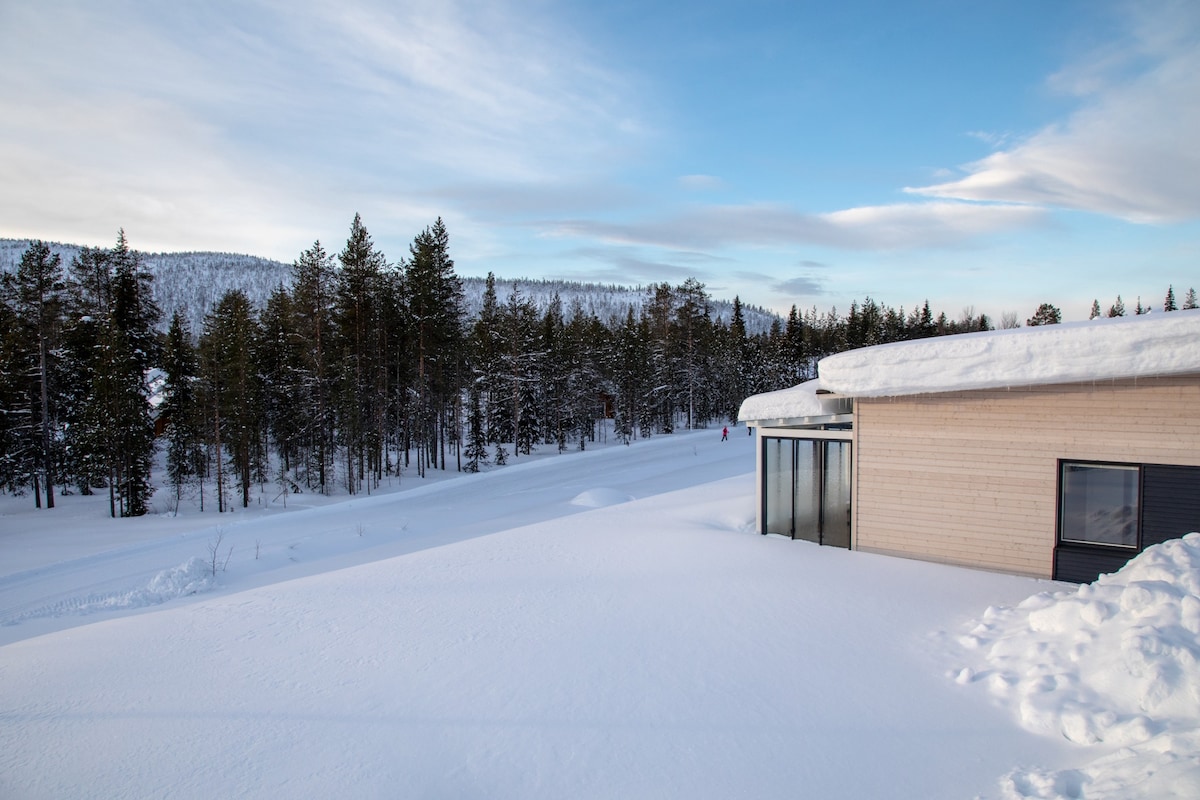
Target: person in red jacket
725 433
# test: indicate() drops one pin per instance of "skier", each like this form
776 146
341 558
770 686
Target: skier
725 433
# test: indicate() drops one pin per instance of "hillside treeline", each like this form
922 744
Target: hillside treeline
359 368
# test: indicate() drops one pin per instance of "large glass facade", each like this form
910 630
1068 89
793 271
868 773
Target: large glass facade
806 494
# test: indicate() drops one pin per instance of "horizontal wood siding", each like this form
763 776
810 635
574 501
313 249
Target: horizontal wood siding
970 478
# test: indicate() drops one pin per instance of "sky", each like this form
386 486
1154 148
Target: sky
986 156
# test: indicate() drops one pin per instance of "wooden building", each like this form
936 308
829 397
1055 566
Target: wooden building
1057 452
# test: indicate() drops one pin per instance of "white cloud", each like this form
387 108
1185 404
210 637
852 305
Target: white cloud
257 126
1130 150
888 227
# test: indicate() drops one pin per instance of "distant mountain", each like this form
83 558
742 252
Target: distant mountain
195 282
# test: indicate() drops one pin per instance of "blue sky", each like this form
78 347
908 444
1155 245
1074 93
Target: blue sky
986 154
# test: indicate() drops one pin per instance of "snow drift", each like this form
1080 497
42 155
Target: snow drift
1114 666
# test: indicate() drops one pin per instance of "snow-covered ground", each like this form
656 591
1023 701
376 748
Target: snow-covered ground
603 624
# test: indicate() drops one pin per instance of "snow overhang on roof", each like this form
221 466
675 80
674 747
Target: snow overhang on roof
1103 349
1148 346
806 404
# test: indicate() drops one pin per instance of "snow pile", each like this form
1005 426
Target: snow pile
191 577
1114 665
601 497
1101 349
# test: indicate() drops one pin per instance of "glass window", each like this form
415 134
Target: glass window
778 483
1099 504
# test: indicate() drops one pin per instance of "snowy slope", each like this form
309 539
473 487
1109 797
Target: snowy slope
44 588
541 634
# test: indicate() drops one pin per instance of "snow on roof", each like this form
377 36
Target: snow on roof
798 402
1101 349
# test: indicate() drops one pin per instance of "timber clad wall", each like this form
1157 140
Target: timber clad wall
971 477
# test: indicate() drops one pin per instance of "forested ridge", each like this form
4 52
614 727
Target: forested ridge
346 369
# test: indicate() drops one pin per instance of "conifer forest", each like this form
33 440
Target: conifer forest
358 369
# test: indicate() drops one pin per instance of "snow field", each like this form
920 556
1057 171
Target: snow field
588 625
654 648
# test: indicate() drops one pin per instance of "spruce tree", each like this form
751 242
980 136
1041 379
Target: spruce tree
487 348
1117 309
1169 302
1095 310
179 409
229 369
434 300
313 281
17 451
40 296
1046 314
357 317
476 450
1189 299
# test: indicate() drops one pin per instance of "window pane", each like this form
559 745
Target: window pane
835 522
778 489
808 501
1100 504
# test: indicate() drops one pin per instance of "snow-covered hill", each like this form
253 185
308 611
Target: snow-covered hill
195 282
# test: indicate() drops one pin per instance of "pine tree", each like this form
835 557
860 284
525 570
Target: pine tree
1095 310
134 311
1169 302
114 343
1046 314
40 296
232 390
1139 310
1117 309
281 382
692 331
312 300
89 292
1189 299
117 430
357 317
434 295
476 450
179 409
17 454
487 348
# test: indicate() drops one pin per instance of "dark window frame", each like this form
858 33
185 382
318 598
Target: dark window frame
820 467
1089 544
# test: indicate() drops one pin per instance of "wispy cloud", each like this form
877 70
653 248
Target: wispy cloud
631 266
700 183
254 125
805 286
1130 150
889 227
